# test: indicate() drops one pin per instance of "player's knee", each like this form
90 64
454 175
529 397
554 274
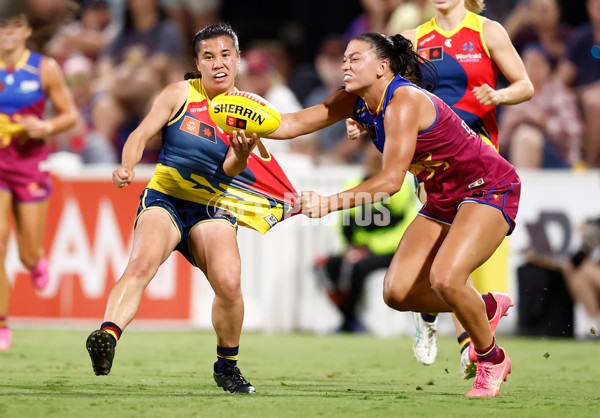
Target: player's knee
226 283
395 298
229 289
443 281
141 268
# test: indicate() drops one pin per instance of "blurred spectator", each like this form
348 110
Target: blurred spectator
580 67
259 75
81 139
542 24
192 15
144 56
582 275
408 15
544 132
88 35
499 10
373 19
45 17
371 234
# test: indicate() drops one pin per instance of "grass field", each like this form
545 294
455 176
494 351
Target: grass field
169 374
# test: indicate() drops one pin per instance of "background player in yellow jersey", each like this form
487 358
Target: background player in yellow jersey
467 50
198 165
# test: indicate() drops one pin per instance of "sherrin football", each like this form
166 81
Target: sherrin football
244 111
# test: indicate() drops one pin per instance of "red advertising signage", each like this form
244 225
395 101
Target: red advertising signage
87 243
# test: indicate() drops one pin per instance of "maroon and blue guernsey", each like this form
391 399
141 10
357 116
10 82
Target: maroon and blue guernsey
22 160
452 161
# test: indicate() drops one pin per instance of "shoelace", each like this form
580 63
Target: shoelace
481 377
239 379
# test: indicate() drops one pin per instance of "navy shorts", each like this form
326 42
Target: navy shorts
184 214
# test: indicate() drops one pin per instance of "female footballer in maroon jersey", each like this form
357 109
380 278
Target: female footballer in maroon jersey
473 193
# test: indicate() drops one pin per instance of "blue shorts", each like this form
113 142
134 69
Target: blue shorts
184 214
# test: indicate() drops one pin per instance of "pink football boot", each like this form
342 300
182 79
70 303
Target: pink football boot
490 376
40 275
5 338
503 304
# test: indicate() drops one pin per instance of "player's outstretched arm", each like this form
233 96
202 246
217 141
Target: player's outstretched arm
165 106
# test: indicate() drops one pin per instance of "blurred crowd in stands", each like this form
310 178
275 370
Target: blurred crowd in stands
117 54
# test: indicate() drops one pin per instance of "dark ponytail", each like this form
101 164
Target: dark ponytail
404 60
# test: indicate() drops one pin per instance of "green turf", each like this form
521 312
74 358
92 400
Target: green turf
159 374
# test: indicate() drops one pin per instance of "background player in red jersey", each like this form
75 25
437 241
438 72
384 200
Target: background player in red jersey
467 51
27 79
473 192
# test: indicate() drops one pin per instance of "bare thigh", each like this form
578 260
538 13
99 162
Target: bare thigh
215 250
407 281
474 236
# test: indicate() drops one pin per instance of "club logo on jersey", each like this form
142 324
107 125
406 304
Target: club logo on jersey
207 132
432 54
190 125
238 123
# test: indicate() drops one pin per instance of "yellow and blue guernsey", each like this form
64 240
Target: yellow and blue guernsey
190 168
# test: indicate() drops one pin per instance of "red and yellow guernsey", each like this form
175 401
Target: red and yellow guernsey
191 168
463 61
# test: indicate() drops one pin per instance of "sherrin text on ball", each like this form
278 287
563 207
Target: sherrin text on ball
244 111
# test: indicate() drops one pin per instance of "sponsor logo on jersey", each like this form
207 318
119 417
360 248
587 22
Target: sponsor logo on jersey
236 122
190 125
468 46
432 54
469 57
448 43
477 183
196 107
28 86
425 40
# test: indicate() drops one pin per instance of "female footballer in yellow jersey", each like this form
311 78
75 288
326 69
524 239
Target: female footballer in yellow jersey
192 203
